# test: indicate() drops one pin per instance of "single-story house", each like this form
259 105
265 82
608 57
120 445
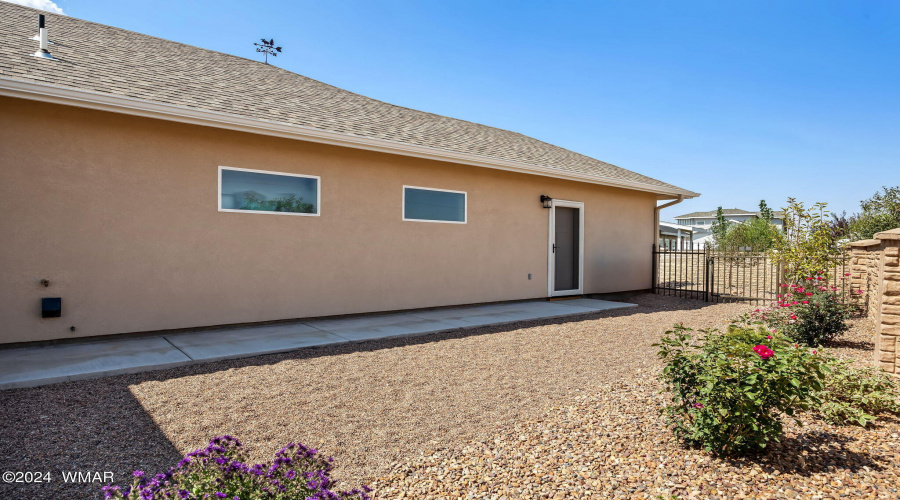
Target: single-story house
701 223
674 236
147 185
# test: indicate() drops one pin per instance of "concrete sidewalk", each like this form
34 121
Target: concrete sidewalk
34 366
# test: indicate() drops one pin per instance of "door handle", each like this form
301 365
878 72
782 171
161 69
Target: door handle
554 248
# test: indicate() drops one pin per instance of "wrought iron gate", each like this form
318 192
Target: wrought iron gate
723 276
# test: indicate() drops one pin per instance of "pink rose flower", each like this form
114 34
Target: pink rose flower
769 337
763 351
805 302
815 351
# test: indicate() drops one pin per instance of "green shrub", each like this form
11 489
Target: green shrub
853 396
879 213
729 390
757 234
809 314
809 247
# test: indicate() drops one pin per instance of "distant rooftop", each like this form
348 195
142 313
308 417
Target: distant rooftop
777 214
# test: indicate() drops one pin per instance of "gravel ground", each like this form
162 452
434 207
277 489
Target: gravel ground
610 442
373 405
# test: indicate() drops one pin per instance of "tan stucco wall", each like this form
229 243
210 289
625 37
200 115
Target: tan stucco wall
120 214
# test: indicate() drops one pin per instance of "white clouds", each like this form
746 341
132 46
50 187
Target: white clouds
47 5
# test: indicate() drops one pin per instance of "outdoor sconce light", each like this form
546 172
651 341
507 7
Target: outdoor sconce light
546 201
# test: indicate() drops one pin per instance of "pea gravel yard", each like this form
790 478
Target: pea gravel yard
541 409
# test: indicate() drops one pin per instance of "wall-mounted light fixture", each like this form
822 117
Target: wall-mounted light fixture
546 201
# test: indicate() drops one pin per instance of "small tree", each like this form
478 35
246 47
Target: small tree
840 225
268 48
808 248
765 213
879 213
756 235
720 230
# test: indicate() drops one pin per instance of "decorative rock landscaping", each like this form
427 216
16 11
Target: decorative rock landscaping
562 408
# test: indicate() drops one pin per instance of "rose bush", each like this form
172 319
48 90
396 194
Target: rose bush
810 313
221 471
730 389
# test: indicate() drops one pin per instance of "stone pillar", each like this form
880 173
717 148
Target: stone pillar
864 259
887 318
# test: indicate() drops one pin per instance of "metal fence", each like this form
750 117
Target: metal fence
725 276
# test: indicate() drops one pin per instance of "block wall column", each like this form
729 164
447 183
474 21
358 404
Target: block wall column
887 321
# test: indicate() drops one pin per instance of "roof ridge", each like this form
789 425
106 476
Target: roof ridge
186 75
272 66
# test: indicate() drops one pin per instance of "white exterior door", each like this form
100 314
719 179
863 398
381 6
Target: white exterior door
565 267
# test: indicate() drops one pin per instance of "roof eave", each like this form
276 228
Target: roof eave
127 105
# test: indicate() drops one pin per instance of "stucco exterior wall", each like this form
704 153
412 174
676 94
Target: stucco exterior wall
120 214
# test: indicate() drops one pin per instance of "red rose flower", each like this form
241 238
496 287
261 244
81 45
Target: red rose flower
763 351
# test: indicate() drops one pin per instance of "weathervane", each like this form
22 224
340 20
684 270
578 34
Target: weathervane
268 48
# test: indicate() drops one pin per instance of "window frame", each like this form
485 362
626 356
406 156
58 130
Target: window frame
465 206
270 172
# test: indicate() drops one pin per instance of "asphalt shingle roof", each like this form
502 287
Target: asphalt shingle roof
113 61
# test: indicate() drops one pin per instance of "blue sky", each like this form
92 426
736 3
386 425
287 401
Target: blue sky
736 100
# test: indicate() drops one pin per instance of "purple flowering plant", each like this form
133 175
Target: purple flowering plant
221 471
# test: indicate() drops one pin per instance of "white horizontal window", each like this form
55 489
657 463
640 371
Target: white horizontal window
434 205
259 191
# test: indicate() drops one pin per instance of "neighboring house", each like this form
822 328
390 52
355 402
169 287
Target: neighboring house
152 185
701 222
674 236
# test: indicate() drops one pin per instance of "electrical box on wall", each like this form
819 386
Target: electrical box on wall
51 307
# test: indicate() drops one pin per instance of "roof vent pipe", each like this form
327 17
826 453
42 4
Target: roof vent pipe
42 36
37 37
